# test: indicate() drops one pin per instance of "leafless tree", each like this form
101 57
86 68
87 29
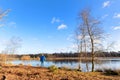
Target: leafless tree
81 42
90 32
13 45
110 46
79 49
3 13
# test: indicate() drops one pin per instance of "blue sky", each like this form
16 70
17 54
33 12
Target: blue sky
49 25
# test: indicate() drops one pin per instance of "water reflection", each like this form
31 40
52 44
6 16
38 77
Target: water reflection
65 61
105 63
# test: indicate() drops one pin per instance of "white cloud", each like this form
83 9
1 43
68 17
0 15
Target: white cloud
117 46
62 26
11 24
2 25
54 19
79 37
116 28
70 37
107 36
97 41
117 15
73 47
106 4
104 16
35 39
69 48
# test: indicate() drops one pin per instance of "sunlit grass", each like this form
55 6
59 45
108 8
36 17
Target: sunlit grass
53 68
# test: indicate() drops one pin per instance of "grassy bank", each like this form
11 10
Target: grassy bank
40 73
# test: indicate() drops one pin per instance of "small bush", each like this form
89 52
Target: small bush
25 58
98 70
9 64
21 64
78 70
109 71
68 69
29 65
53 68
112 72
64 68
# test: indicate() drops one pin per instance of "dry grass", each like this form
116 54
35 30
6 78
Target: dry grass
25 58
39 73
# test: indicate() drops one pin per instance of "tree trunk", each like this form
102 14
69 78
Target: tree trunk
92 55
92 63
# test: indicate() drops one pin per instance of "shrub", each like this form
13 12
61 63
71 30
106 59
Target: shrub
21 64
64 68
111 72
29 65
98 70
9 64
3 58
25 58
53 68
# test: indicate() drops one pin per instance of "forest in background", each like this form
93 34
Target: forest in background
65 55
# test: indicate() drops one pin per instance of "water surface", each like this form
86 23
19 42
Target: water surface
103 63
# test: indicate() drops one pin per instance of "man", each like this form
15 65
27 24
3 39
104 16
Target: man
42 59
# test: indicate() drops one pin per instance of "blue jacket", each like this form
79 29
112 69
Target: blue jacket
42 58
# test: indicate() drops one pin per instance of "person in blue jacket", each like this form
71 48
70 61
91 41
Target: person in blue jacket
42 59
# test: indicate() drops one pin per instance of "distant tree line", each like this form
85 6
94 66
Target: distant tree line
66 55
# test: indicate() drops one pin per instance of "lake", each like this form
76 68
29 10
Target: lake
113 63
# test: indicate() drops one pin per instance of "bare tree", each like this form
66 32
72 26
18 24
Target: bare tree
3 13
110 46
77 41
13 45
89 27
79 48
80 39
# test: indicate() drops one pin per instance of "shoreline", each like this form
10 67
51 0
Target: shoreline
83 58
65 58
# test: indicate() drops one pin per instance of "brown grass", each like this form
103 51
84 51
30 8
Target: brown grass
39 73
25 58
